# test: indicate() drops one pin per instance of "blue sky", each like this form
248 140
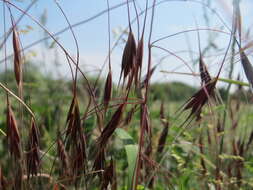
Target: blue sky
170 17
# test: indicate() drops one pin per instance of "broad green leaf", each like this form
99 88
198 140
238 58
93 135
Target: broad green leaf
124 136
131 152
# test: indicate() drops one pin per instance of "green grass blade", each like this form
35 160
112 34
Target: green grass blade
230 81
132 153
131 149
234 82
124 136
1 131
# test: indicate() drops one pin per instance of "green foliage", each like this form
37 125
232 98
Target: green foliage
131 153
175 91
145 136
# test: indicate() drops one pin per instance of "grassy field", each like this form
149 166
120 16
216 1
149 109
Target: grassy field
89 132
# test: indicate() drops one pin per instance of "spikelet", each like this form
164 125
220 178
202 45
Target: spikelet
33 158
129 115
145 122
13 134
128 58
248 69
199 99
17 56
164 133
139 58
76 142
63 157
204 74
110 127
108 90
162 139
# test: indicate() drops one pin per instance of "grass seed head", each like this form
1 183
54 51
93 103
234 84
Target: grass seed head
110 127
139 59
33 158
162 139
162 116
78 158
248 69
73 120
64 158
76 141
13 134
108 90
204 74
199 99
17 56
145 122
129 115
128 58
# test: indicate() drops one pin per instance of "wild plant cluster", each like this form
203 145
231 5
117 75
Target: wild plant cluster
113 139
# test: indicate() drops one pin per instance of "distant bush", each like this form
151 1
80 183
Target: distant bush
175 91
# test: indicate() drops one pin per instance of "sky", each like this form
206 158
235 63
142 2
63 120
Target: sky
170 17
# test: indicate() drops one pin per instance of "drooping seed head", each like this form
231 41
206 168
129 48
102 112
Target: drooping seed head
17 56
108 90
13 134
33 158
128 58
